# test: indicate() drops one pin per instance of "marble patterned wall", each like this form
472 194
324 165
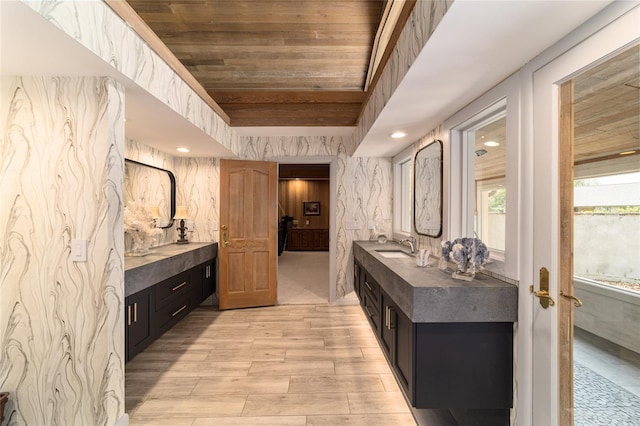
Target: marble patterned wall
424 19
363 188
61 323
102 31
198 182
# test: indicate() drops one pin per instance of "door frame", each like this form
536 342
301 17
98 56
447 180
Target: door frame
333 170
602 37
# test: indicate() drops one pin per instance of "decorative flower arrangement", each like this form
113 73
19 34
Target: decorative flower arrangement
139 224
470 254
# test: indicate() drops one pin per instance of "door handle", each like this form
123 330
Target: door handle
543 294
225 240
576 302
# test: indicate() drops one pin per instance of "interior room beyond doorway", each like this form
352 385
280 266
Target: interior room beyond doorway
303 233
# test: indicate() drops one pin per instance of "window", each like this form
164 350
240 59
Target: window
486 144
403 193
406 211
484 178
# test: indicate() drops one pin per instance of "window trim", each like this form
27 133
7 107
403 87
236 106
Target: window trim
505 95
397 161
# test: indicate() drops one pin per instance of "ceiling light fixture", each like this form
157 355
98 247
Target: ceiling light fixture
491 143
398 135
628 152
181 149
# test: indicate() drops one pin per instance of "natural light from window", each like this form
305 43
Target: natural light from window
607 230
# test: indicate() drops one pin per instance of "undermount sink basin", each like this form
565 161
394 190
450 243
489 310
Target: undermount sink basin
393 253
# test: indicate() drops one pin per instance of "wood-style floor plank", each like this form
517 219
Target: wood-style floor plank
288 365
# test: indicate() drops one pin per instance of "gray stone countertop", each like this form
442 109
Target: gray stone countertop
431 295
164 262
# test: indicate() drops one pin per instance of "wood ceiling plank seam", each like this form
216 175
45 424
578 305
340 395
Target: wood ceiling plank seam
127 14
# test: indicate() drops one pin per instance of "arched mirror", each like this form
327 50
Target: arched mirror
427 190
153 187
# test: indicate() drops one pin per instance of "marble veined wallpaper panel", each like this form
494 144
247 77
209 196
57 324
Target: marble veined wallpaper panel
102 31
424 19
61 323
198 182
363 188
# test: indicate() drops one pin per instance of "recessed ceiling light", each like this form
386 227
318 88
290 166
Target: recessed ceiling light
628 152
491 143
398 135
181 149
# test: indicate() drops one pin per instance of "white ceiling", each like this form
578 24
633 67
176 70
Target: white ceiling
477 45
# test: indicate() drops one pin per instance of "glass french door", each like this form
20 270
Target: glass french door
553 223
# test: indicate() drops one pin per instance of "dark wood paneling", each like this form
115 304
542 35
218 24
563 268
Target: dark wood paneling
293 193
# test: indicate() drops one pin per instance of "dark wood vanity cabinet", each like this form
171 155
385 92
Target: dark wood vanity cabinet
151 312
203 281
370 296
397 336
138 322
464 367
173 301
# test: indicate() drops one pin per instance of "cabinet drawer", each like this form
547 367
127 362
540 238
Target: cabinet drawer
173 311
169 288
371 311
372 288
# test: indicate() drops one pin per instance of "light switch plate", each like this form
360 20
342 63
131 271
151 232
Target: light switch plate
353 225
371 225
79 250
214 225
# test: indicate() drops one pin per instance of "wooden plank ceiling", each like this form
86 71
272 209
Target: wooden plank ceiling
606 117
278 62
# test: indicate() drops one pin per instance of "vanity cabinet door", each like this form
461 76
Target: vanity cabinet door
209 275
357 280
138 322
397 342
404 352
388 331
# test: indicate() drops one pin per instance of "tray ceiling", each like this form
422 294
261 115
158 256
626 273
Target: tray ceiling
279 62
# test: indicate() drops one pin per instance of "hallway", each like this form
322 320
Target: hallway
303 277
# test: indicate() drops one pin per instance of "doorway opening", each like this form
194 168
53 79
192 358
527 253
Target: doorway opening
304 211
606 213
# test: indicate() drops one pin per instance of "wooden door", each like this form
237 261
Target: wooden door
248 233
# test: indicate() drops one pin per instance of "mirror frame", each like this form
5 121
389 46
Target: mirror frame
172 182
415 169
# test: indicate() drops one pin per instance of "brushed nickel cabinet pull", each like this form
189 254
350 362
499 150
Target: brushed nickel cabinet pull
179 310
368 286
128 314
366 308
135 312
179 286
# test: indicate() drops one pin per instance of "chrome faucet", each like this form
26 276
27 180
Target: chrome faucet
411 242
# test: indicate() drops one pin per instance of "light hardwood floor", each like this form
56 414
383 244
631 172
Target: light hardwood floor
282 365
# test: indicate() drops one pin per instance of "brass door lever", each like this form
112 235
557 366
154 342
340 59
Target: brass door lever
576 302
543 294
